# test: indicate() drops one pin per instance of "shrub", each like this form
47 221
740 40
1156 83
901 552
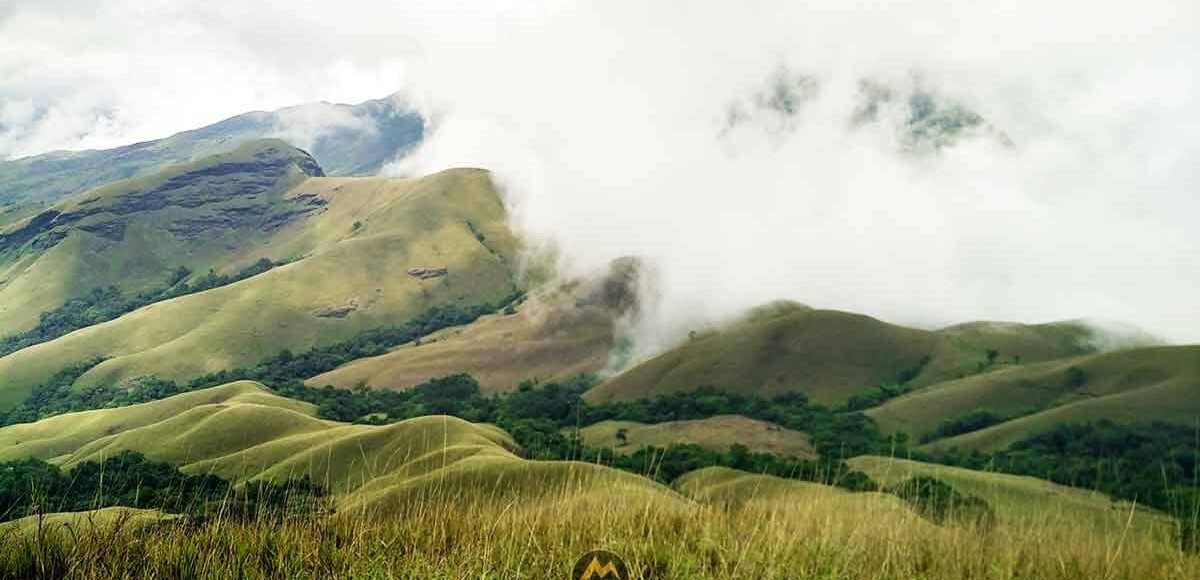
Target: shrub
971 421
938 501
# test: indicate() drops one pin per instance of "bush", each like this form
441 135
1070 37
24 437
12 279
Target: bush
937 501
30 486
972 421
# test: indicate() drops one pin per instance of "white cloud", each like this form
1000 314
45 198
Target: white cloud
602 121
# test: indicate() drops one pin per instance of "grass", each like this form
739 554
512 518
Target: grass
1142 384
431 221
544 340
437 497
560 331
133 233
717 433
818 535
831 355
241 431
1022 500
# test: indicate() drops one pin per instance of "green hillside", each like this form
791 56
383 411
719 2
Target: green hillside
1021 499
718 433
355 253
1144 384
242 432
345 140
104 518
562 330
831 355
134 234
436 483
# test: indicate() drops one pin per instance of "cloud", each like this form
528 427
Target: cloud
93 74
303 125
608 124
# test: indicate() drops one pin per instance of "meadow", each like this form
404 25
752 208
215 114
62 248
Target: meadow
811 531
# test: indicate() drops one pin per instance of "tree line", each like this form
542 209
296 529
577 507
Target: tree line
108 303
31 486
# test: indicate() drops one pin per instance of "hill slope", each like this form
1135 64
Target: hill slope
1018 498
356 251
345 140
831 355
133 234
561 330
1144 384
241 431
718 433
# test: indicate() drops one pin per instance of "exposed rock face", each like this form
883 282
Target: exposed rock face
235 191
426 273
337 311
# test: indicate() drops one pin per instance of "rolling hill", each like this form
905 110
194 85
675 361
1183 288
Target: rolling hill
1020 499
366 252
132 234
563 329
1142 384
345 140
718 433
241 432
831 355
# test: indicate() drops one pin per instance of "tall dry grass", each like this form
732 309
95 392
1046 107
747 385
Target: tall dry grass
825 536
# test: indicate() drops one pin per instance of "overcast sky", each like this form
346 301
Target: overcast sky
607 124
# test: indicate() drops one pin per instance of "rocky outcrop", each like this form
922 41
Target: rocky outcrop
239 190
341 311
426 273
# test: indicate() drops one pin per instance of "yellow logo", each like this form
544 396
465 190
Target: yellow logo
600 565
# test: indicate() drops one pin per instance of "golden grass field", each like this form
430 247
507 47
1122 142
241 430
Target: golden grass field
718 433
804 533
562 330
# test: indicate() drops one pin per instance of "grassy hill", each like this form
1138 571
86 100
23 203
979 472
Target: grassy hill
241 432
831 355
133 234
109 517
463 504
1143 384
562 330
345 140
1022 500
717 433
353 273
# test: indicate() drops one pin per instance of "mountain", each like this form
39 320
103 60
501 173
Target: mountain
361 253
1140 384
134 233
344 139
563 329
831 356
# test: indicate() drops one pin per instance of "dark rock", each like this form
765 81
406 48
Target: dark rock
426 273
337 311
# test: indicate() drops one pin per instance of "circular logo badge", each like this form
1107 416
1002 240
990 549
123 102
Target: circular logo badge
598 565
